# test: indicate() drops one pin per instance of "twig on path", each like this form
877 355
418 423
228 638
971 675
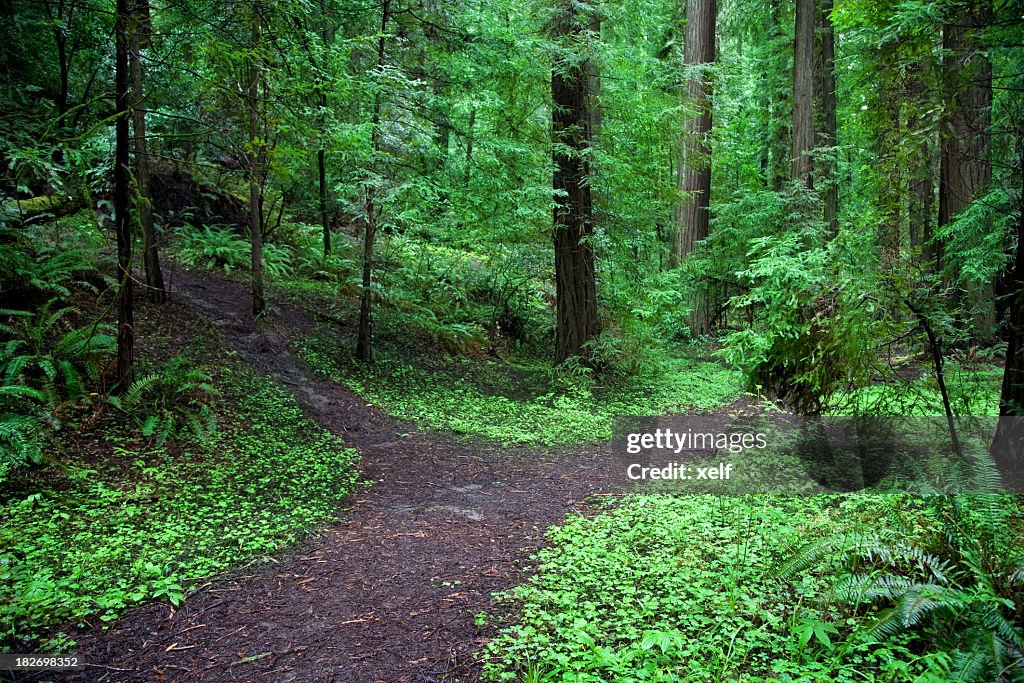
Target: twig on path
240 628
108 668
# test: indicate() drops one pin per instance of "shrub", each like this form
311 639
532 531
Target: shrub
214 247
166 402
810 338
959 586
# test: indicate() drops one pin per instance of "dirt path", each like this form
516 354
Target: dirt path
386 594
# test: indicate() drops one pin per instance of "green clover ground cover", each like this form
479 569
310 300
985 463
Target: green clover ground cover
520 404
95 539
682 588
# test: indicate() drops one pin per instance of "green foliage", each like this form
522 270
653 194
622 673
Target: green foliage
20 427
214 247
45 363
166 403
222 248
141 523
669 588
46 352
957 584
521 403
48 260
815 326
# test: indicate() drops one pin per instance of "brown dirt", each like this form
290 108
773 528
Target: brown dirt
389 592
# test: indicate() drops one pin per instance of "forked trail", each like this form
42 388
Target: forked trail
387 593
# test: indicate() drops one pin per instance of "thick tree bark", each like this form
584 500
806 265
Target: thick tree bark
572 120
828 115
364 339
143 207
779 106
966 170
122 179
694 177
693 213
803 92
257 154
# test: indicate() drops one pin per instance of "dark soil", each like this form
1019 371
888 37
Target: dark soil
389 592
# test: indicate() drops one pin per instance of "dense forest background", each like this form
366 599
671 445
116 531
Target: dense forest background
514 220
746 171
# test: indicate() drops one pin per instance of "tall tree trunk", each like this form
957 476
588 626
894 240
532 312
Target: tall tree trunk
694 177
966 170
122 179
828 116
572 119
803 92
321 167
143 205
257 153
779 106
364 340
693 213
1008 444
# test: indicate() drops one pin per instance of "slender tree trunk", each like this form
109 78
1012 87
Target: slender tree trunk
60 37
364 340
143 206
256 158
470 133
803 92
828 115
325 214
966 170
122 179
572 119
321 166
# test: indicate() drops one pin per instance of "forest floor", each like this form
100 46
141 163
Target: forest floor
389 592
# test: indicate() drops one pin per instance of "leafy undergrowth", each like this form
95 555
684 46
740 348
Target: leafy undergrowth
101 534
521 403
666 588
973 390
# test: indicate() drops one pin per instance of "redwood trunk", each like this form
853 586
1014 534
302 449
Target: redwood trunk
572 118
966 171
694 179
828 115
803 92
